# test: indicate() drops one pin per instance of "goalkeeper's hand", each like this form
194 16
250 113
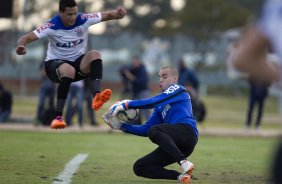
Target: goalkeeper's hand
113 122
117 107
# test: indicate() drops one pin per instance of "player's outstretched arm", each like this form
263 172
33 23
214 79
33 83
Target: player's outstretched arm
30 37
118 13
251 56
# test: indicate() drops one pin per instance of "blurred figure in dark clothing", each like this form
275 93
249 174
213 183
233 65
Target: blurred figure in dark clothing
45 110
189 79
187 76
76 93
5 104
88 98
126 84
138 76
258 94
277 165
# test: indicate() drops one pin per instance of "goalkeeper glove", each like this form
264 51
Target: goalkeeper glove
113 122
117 107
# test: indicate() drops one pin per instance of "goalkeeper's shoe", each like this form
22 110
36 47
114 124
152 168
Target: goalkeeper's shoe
184 178
58 123
187 167
101 98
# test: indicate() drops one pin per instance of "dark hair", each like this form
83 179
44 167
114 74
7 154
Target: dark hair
66 3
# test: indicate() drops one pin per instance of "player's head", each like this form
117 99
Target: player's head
136 61
181 63
68 12
63 4
168 76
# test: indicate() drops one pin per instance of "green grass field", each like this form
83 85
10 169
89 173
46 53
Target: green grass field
38 157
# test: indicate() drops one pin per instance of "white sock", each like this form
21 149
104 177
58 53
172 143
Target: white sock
185 165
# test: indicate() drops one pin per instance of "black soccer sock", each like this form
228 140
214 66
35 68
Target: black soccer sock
96 86
62 91
96 75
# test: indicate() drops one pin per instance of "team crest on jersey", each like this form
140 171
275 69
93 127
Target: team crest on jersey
79 32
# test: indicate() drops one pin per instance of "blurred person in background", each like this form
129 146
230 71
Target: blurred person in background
76 92
6 101
67 59
189 79
126 91
45 111
138 76
258 95
251 57
88 98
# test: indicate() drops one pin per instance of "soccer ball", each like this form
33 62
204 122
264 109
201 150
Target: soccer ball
128 115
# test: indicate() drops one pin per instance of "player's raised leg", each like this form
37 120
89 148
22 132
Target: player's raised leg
101 98
92 63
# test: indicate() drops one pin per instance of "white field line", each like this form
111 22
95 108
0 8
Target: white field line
70 168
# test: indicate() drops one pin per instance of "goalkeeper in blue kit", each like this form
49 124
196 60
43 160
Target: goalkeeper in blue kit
171 126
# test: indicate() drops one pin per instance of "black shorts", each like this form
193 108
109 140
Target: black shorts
52 71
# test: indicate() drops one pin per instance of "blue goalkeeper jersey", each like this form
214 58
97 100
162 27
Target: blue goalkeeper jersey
172 106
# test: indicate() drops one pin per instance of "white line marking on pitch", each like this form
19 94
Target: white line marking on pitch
70 168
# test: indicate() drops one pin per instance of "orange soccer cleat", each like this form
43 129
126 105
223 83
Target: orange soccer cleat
184 178
58 123
188 168
101 98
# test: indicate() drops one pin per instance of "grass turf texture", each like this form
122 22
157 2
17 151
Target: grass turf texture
38 157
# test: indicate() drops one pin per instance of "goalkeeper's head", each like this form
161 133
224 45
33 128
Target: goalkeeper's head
168 76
